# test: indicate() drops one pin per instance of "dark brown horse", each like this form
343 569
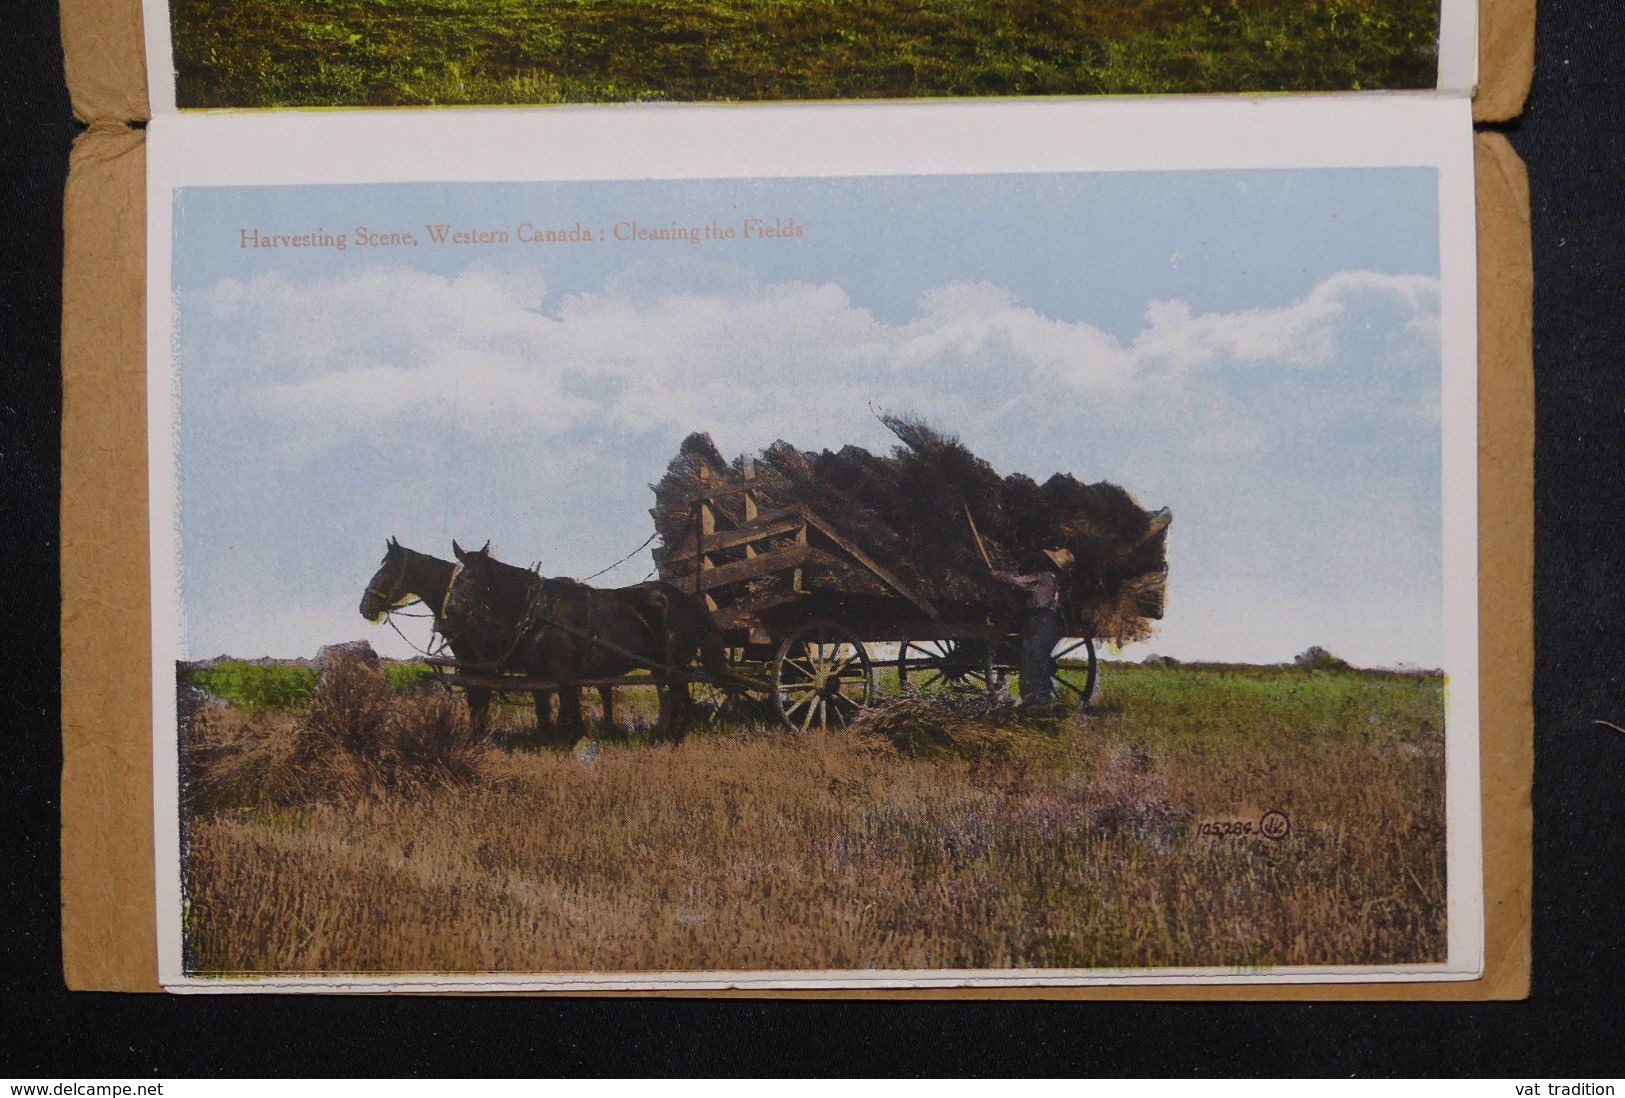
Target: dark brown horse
408 576
564 631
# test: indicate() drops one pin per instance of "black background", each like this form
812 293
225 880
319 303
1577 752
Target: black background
1573 138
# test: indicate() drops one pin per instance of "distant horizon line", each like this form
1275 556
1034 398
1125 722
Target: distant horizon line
1154 659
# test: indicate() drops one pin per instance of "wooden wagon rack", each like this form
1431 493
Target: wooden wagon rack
721 565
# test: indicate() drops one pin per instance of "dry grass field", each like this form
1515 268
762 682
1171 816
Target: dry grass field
363 832
278 53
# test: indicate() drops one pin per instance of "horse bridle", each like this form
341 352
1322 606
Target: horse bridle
389 610
399 580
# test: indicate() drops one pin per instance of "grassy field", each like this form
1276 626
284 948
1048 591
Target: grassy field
255 687
364 832
278 53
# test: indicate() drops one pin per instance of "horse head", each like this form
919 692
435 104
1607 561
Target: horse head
379 597
392 585
472 556
480 577
478 572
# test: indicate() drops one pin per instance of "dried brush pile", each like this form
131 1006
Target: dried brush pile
963 723
357 738
938 516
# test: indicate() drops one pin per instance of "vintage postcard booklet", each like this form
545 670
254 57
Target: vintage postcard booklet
985 543
892 498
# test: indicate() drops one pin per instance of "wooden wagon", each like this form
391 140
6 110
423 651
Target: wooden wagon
814 619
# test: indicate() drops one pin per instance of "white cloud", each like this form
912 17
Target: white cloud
1304 333
648 353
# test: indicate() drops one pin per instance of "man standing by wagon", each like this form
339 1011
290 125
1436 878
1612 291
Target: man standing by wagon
1043 624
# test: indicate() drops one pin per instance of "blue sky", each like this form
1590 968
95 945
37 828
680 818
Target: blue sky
1258 351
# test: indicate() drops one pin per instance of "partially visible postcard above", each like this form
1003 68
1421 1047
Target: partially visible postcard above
318 53
926 545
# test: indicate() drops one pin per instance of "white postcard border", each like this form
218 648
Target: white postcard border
1458 47
690 142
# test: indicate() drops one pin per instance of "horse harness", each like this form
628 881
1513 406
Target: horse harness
540 611
480 612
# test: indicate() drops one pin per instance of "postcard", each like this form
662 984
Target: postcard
206 54
996 544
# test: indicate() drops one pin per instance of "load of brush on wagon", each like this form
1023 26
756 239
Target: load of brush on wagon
928 528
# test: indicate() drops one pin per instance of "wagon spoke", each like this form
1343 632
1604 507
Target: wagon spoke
816 707
801 691
840 668
836 717
1068 650
1070 687
856 699
790 711
812 671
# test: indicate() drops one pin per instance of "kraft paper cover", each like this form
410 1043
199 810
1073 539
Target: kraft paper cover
107 857
108 924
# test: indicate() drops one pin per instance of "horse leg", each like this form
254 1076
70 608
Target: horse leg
544 714
663 722
682 711
479 711
606 696
674 711
571 726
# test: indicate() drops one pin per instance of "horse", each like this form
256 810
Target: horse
408 576
566 631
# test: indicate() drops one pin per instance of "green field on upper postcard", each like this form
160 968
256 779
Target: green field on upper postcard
323 53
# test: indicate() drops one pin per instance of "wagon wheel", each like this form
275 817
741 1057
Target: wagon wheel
822 677
930 665
1065 678
724 704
